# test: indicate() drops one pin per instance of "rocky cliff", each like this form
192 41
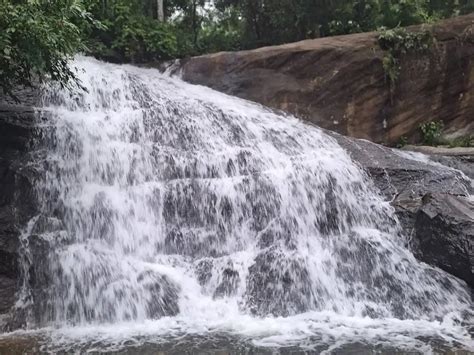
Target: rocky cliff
18 204
339 83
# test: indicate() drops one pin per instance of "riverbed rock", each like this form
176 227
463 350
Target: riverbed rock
339 82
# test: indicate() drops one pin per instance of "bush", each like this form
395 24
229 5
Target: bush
144 40
467 141
431 132
403 141
337 27
398 42
128 34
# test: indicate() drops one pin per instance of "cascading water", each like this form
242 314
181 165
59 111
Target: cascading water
205 212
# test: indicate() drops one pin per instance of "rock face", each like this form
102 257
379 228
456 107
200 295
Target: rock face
17 200
339 82
433 203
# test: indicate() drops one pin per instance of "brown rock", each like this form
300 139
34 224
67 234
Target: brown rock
339 83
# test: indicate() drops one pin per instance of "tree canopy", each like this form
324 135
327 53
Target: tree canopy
134 31
38 37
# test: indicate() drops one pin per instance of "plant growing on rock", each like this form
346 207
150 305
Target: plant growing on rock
398 42
467 141
431 132
403 141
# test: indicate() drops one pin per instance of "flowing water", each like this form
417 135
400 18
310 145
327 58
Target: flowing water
170 209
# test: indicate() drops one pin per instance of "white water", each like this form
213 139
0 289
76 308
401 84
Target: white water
184 210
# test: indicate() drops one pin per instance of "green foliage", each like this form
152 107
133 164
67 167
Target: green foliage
37 38
215 38
467 141
144 39
431 132
355 16
398 42
403 141
337 27
278 21
129 33
392 68
133 32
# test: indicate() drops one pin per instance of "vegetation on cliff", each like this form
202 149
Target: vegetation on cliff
397 43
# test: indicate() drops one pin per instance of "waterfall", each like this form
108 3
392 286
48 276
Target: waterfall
169 201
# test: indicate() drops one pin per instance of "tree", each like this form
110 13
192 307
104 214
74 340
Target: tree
160 13
132 31
37 40
41 35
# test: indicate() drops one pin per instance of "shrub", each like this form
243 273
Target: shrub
431 132
467 141
398 42
403 141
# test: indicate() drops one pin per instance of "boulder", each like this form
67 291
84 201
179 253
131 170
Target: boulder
444 234
339 82
278 284
433 202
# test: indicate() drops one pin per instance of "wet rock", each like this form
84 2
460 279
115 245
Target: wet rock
432 202
399 174
229 283
462 163
460 158
40 276
195 243
278 233
444 234
203 271
278 284
45 225
165 295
